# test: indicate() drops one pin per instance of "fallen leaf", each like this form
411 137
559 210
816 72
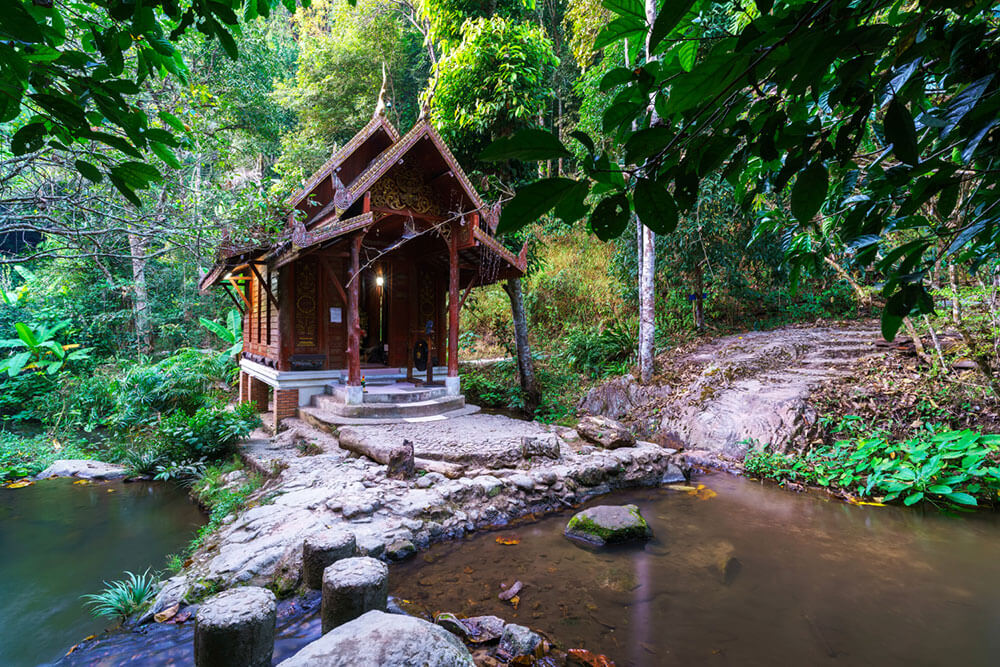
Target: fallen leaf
111 490
579 656
167 613
180 617
20 484
516 600
82 481
508 539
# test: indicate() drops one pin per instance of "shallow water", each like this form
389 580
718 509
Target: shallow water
752 576
60 540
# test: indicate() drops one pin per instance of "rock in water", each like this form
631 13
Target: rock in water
321 550
83 469
605 432
609 524
236 628
517 640
351 587
377 639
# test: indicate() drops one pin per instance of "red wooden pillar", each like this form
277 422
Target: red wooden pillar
353 316
453 303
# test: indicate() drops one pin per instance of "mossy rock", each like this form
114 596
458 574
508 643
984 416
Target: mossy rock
609 524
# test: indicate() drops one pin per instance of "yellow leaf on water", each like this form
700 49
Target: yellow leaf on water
516 600
82 481
20 484
88 638
111 490
508 539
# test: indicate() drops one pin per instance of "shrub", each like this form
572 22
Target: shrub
121 598
601 352
951 469
210 433
24 456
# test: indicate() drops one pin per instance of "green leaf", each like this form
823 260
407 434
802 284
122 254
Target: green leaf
573 206
532 202
88 171
688 54
809 192
626 8
17 363
610 217
136 174
26 335
171 120
670 15
940 489
28 139
165 154
621 28
615 78
654 206
962 498
913 498
529 144
901 132
19 25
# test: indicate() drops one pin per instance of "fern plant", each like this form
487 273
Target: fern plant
119 599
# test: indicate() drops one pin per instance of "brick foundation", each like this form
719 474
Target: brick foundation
257 392
286 404
244 387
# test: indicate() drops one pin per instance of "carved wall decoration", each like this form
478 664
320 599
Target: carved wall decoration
305 304
403 188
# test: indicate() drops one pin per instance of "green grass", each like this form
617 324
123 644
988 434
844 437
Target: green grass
120 599
24 456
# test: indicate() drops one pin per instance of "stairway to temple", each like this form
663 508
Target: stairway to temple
386 400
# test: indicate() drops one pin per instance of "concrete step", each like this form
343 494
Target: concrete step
395 392
429 407
330 422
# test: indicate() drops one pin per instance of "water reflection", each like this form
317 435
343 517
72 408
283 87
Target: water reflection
60 540
752 576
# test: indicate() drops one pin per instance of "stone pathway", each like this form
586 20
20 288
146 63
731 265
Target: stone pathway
735 390
314 485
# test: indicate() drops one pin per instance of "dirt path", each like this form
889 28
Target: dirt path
728 392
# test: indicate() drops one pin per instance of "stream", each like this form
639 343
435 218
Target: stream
60 540
738 573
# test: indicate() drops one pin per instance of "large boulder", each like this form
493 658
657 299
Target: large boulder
609 524
377 639
82 469
605 432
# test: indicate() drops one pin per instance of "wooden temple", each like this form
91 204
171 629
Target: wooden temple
383 245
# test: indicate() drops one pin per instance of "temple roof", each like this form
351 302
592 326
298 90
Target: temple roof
358 187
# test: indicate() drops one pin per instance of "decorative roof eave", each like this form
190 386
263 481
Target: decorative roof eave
519 262
225 265
421 129
379 121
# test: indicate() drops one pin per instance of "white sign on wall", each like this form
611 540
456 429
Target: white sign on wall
336 316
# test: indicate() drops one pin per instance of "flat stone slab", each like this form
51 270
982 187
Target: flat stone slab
385 640
82 469
609 524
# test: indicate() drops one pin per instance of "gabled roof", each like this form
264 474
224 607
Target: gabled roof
379 123
422 129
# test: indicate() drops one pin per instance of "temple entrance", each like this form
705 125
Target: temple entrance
374 307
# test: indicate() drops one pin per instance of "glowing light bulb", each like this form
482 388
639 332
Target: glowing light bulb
379 280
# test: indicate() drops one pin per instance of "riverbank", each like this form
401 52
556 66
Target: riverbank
503 469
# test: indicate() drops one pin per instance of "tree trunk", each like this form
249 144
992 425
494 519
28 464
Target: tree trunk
918 345
525 365
140 301
956 308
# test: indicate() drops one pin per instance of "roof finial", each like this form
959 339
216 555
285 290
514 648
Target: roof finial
382 106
